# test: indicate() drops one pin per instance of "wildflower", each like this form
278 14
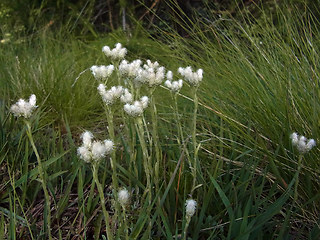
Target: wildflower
123 197
136 109
302 143
193 78
151 74
130 69
93 150
126 96
24 108
102 72
174 86
191 206
169 75
116 53
110 96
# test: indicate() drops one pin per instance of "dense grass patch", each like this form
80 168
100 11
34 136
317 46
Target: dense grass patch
260 84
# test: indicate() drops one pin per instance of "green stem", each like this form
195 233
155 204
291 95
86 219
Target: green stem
147 167
125 225
113 161
186 227
42 179
295 196
194 139
156 141
102 199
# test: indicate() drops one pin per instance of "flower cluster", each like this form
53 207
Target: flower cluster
174 86
102 72
151 74
116 53
136 109
123 197
114 93
191 206
24 108
130 69
302 143
193 78
94 150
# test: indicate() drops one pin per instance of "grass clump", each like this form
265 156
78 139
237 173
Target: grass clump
205 161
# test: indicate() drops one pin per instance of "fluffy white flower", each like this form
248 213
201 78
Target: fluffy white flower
193 78
123 197
110 96
98 150
126 96
151 74
169 75
84 153
24 108
109 145
102 72
116 53
136 109
93 150
191 206
130 69
174 86
87 139
302 143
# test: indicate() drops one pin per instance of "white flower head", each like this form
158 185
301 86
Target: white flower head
191 206
24 108
87 139
169 75
123 197
126 96
151 74
102 72
136 109
193 78
116 53
84 153
110 96
130 69
302 143
174 86
93 150
98 150
109 145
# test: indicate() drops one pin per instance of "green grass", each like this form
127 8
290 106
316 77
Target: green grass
260 84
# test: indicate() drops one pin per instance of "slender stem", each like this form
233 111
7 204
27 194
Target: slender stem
125 225
113 154
147 166
295 196
113 161
42 179
156 141
102 199
194 139
186 227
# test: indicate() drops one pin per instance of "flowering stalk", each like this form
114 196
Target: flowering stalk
42 179
123 199
303 147
24 109
191 206
95 166
194 79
